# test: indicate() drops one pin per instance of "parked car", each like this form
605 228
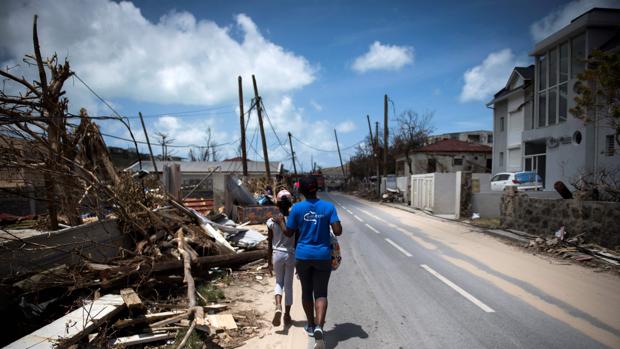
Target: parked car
526 180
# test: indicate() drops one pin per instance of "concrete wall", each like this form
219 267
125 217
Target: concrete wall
404 184
481 182
487 204
597 220
445 193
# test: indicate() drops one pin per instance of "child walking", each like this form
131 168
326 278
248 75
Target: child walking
283 258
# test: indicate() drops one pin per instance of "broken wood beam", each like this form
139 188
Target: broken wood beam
140 339
133 301
230 260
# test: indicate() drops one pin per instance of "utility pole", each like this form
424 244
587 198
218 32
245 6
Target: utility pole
262 130
290 142
385 134
311 163
339 156
244 158
377 137
148 142
377 157
372 140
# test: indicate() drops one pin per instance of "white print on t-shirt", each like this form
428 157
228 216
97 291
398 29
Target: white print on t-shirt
312 217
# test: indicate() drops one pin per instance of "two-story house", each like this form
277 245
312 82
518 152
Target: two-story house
512 107
554 143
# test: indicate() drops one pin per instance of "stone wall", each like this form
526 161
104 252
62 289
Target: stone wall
599 221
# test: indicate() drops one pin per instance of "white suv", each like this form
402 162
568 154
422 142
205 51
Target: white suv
527 180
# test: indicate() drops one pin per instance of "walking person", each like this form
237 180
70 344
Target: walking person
311 219
283 258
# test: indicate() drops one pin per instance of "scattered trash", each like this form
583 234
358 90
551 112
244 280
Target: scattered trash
475 216
560 233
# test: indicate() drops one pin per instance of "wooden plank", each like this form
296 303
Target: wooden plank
133 301
122 323
140 339
221 322
73 326
215 307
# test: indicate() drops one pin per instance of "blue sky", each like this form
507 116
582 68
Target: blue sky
320 65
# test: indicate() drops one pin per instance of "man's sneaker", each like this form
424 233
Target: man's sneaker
309 330
318 333
277 317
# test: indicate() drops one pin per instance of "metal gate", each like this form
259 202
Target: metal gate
423 191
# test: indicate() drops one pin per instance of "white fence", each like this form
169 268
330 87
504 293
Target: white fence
423 191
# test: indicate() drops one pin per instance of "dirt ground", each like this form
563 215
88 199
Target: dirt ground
260 297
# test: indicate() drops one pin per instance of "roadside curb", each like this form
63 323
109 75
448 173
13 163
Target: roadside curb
500 233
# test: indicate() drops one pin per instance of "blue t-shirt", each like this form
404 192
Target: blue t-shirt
312 218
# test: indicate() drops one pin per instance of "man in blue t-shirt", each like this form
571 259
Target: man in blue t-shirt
311 220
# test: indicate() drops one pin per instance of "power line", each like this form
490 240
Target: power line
274 130
172 145
325 150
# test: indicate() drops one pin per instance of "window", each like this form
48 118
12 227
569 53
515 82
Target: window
501 158
501 124
610 145
500 177
553 72
473 138
457 162
552 94
490 139
578 55
542 109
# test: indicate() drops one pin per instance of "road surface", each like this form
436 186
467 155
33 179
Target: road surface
414 281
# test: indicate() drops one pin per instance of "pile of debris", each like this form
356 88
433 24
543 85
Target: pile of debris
135 272
137 296
576 249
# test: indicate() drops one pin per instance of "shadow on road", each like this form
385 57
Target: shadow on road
342 332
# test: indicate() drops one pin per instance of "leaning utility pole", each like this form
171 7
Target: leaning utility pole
262 130
244 156
372 140
148 142
290 142
339 156
385 134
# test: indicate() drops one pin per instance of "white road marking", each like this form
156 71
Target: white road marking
461 291
372 228
372 215
391 225
359 219
398 247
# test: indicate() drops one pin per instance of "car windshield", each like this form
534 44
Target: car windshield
527 177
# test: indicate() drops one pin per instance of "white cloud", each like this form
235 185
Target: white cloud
346 126
490 76
384 57
316 105
177 59
562 16
287 117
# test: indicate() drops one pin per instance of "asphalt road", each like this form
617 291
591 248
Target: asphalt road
391 292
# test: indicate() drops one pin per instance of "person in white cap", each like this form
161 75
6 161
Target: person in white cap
283 258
